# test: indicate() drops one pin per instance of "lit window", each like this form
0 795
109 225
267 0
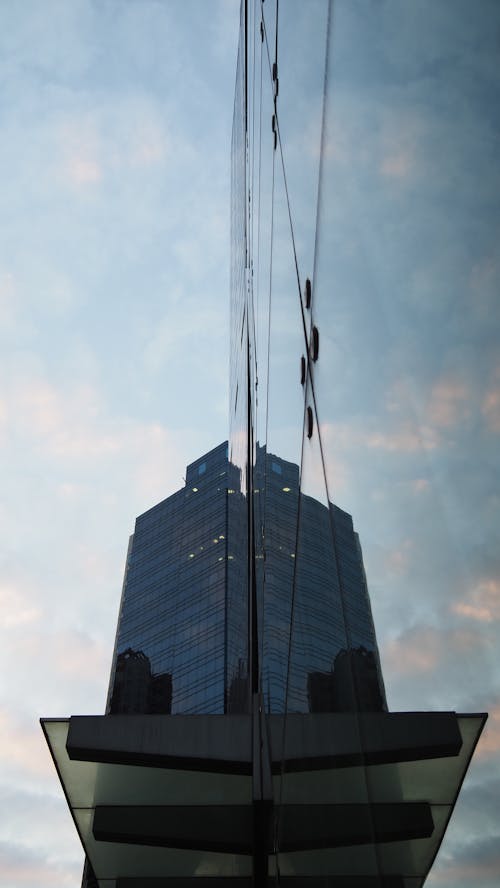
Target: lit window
191 554
195 489
215 540
221 536
286 489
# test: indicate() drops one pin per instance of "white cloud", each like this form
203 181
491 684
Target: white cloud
22 746
23 867
15 608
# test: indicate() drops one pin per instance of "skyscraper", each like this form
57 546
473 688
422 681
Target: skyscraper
179 646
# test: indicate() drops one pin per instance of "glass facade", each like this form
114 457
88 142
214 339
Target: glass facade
312 642
304 569
315 624
171 651
182 636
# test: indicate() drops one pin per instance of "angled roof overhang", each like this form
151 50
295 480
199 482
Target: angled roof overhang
163 800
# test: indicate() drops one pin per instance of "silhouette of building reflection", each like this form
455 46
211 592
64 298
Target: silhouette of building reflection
137 689
237 694
352 685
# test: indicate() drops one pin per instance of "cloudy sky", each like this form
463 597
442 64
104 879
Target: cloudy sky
114 279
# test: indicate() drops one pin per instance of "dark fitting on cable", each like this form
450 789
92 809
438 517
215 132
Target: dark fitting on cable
315 344
302 370
310 422
308 293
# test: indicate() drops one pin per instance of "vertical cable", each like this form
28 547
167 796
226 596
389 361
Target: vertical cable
310 375
257 350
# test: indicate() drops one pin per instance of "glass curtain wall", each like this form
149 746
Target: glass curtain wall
368 346
317 649
171 647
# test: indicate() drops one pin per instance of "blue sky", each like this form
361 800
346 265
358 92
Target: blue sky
114 280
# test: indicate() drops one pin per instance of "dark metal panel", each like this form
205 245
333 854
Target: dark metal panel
224 743
231 828
284 882
323 740
216 743
226 828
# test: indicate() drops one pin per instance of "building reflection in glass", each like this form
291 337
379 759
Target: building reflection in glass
136 688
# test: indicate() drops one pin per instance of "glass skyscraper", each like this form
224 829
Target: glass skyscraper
183 635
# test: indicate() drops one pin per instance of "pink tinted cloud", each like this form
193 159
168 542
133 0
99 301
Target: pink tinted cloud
448 403
401 136
16 608
80 146
490 409
65 423
467 874
405 439
420 650
73 426
47 408
483 602
99 143
489 744
84 170
420 485
398 560
416 651
19 872
22 746
397 165
150 145
69 423
72 654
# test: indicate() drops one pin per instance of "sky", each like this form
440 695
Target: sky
114 287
